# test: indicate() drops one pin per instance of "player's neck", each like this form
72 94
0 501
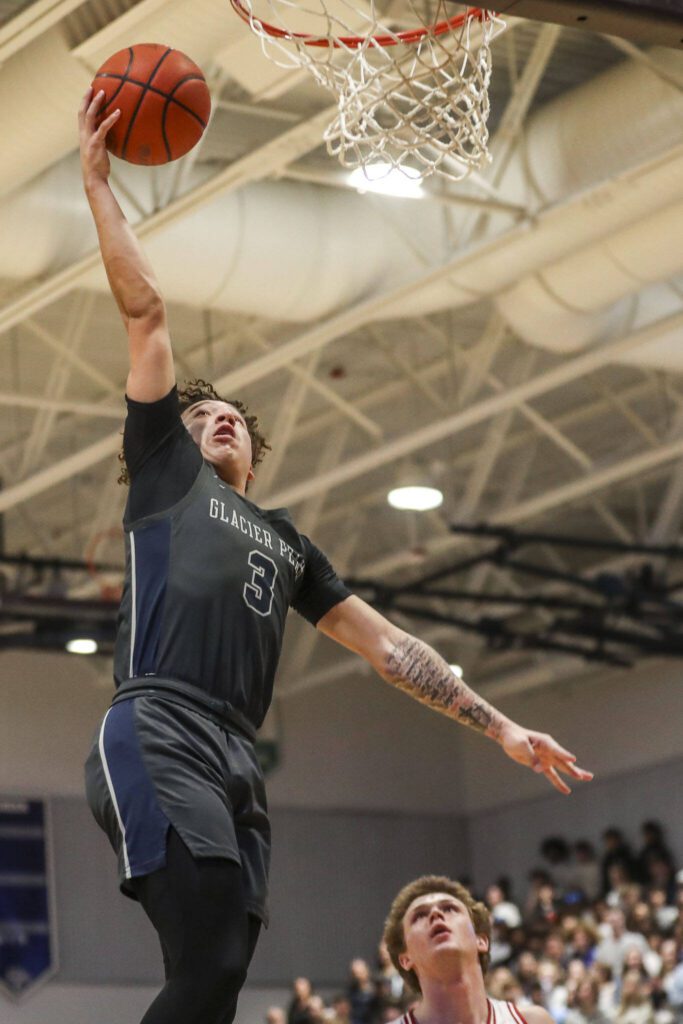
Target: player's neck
231 479
462 1001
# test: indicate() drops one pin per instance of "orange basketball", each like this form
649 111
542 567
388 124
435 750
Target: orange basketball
164 102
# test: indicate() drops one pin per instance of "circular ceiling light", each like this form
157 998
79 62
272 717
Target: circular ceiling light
419 499
387 180
81 645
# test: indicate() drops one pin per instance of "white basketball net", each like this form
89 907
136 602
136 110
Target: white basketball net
412 96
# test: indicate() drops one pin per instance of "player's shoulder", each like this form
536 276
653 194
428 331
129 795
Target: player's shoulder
503 1012
533 1014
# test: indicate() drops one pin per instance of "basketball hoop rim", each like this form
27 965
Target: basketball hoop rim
409 37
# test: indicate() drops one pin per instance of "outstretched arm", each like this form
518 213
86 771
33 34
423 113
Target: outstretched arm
129 272
414 667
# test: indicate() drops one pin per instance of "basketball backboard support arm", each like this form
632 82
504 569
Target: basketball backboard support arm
650 22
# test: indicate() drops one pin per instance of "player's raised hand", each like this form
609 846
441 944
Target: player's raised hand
539 751
94 156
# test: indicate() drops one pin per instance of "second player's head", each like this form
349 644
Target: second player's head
435 927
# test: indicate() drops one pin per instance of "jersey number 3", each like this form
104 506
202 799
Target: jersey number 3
259 592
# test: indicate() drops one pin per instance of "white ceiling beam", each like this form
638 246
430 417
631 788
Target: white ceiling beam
57 383
522 443
289 410
69 356
258 164
90 409
346 408
36 18
667 524
411 375
483 356
567 371
491 447
60 471
565 494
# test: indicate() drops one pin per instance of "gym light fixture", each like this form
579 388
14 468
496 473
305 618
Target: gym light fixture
81 645
387 180
417 498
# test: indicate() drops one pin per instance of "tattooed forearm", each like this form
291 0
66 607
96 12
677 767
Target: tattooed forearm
415 668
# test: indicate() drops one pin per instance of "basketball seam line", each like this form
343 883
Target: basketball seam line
141 98
124 78
160 92
170 98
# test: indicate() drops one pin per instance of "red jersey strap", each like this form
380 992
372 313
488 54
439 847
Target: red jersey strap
516 1014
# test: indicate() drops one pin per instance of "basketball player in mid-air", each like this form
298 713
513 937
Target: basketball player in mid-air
438 938
172 777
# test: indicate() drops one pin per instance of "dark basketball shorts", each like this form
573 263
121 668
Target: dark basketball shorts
154 764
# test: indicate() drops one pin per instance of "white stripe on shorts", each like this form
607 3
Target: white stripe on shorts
112 793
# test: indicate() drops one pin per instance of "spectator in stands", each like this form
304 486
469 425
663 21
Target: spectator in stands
316 1010
545 912
613 948
527 972
276 1015
620 894
607 998
586 869
502 909
665 915
556 853
298 1010
661 875
672 985
361 993
389 985
502 984
635 1005
653 846
537 879
518 945
584 1004
551 978
616 851
555 949
340 1011
583 941
500 950
668 952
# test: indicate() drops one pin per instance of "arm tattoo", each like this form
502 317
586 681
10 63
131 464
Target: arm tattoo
412 666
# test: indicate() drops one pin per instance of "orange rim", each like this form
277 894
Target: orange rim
409 37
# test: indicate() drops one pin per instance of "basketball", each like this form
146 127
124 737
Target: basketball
164 103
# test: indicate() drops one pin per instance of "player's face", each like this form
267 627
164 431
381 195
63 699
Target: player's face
439 936
221 434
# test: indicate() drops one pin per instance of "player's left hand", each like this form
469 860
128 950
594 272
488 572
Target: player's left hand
539 751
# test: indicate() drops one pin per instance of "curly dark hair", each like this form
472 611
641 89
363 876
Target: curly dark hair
199 390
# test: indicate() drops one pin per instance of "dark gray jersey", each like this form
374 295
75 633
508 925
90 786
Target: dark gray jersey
209 579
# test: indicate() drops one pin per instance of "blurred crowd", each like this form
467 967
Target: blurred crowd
596 939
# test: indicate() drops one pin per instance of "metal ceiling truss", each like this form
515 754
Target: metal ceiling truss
612 617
